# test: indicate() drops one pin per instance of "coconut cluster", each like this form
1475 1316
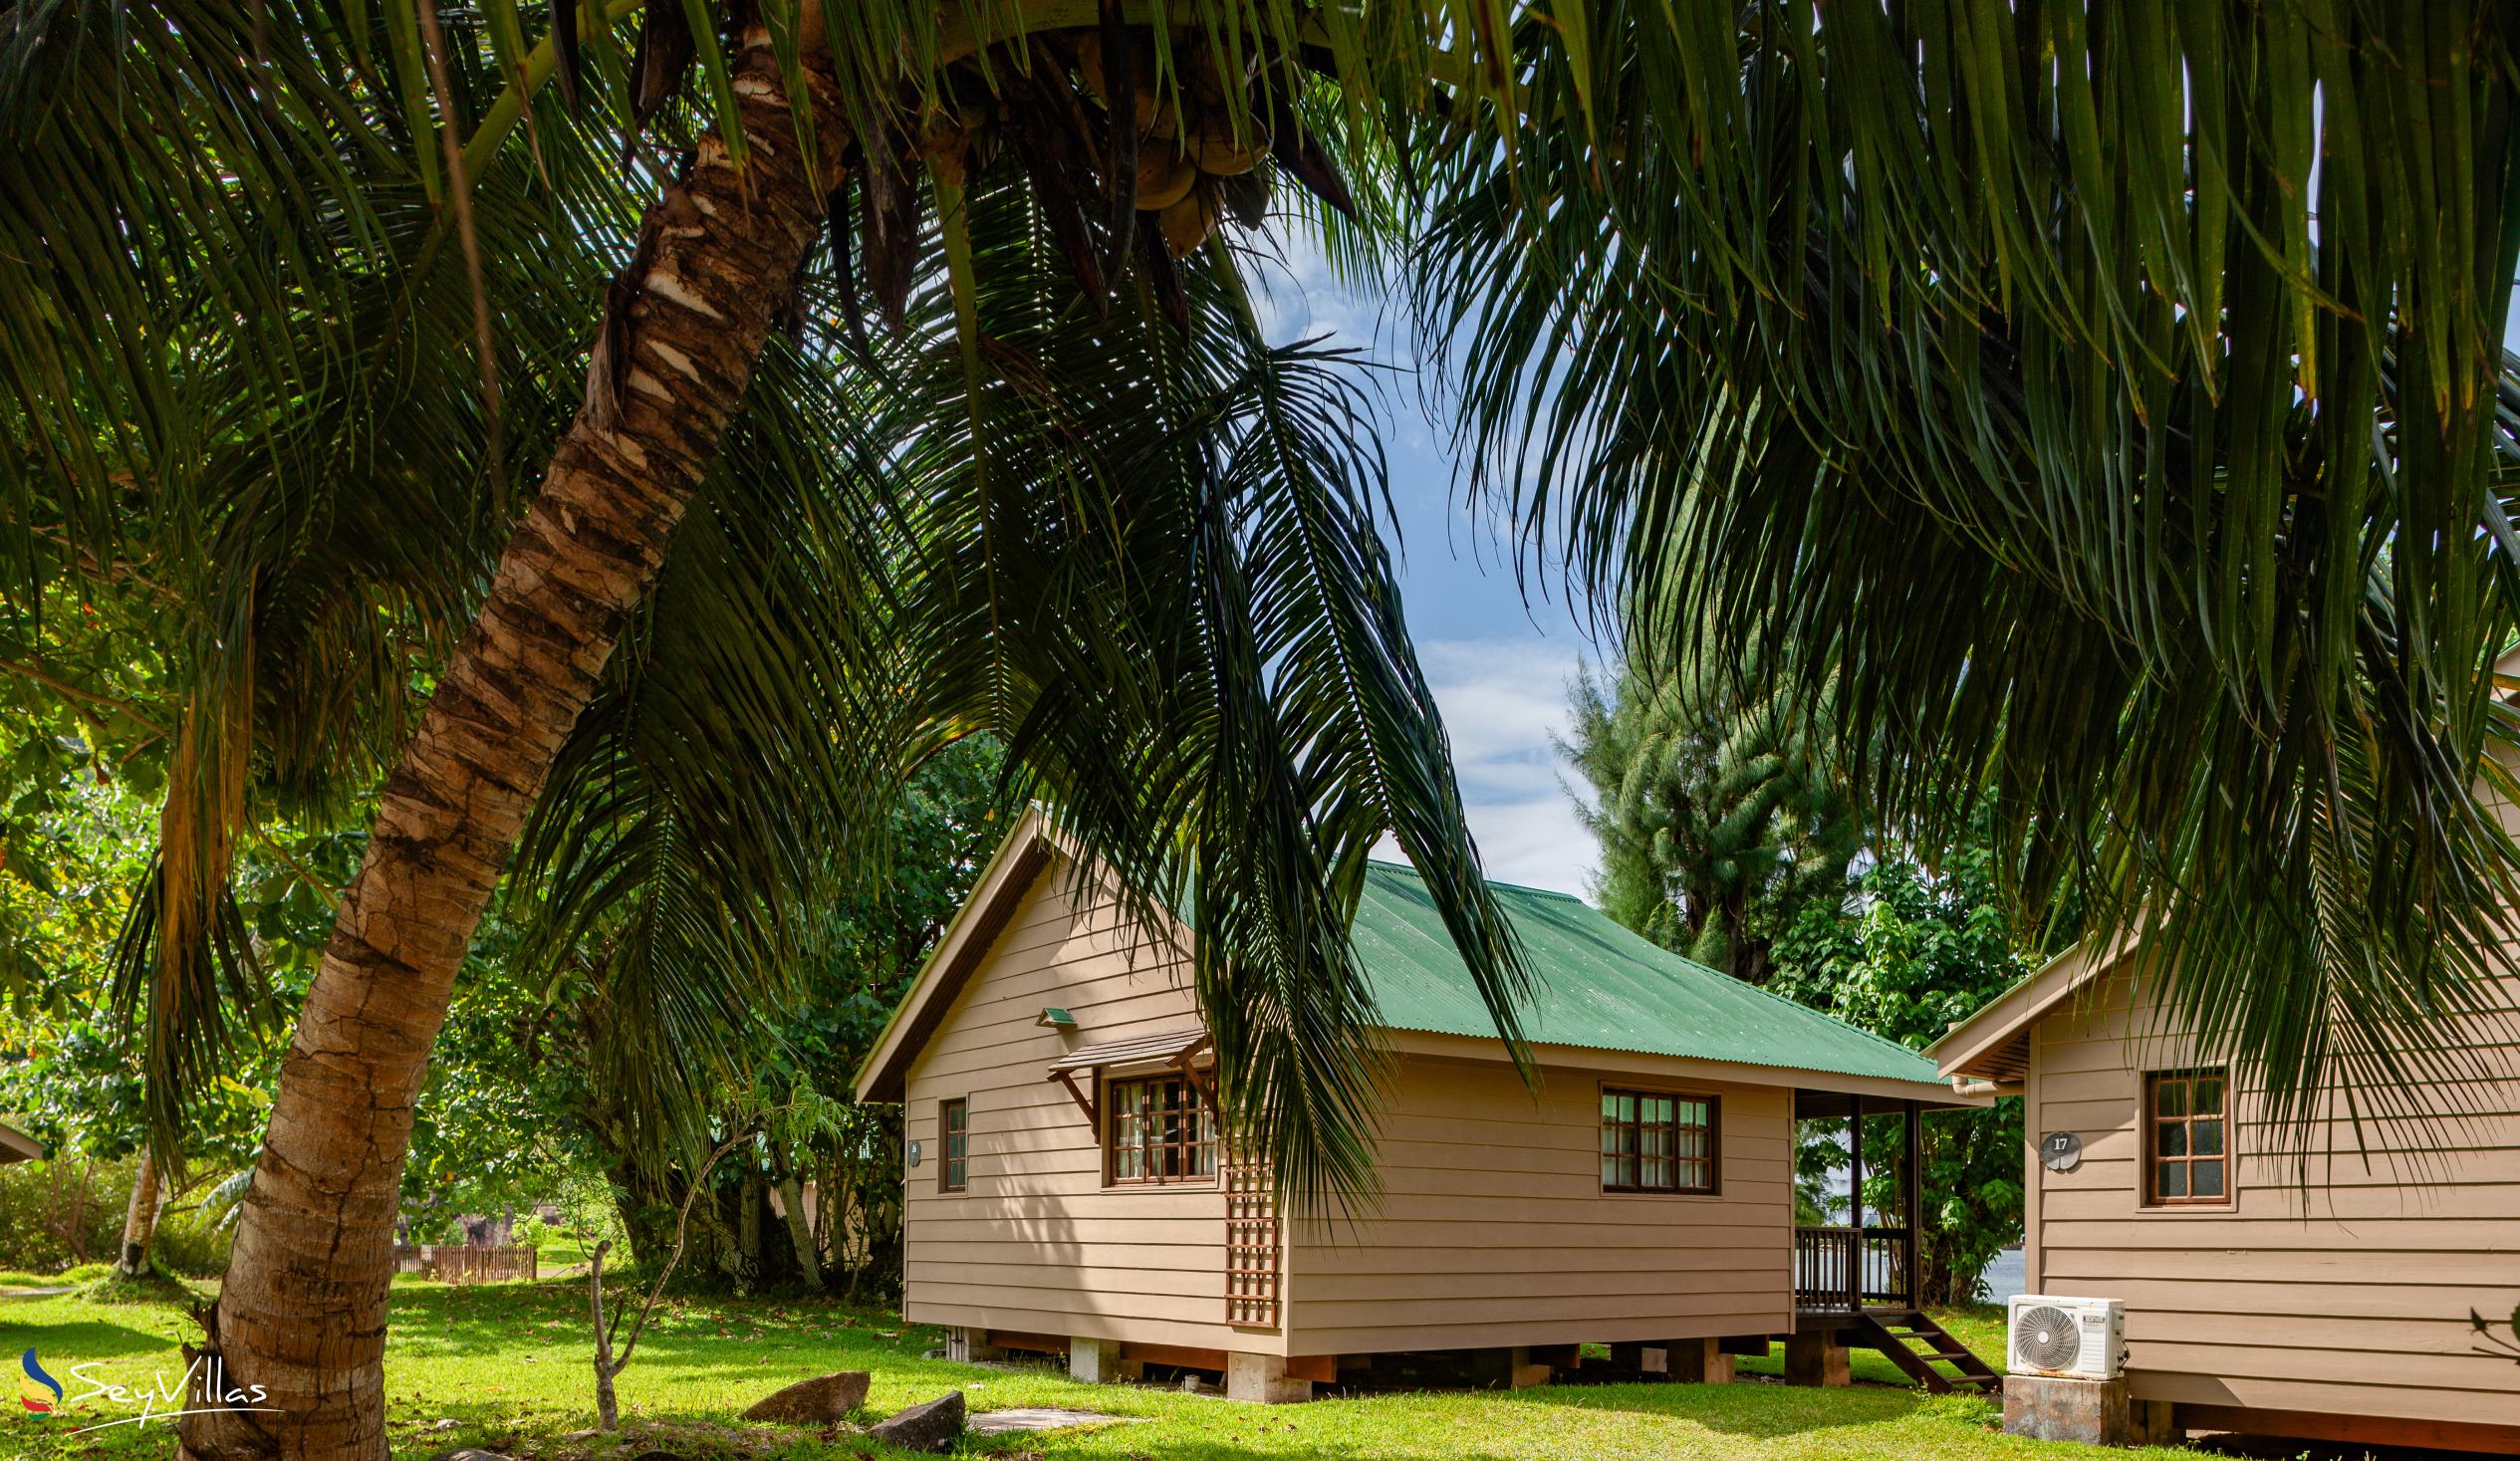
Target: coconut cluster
1191 145
1135 145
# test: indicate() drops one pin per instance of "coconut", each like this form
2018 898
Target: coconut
1187 223
1218 153
1164 175
1090 64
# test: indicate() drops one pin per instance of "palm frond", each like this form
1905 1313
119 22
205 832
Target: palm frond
2067 385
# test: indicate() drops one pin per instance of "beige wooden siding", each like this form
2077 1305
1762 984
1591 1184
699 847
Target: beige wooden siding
1036 1242
2347 1293
1492 1228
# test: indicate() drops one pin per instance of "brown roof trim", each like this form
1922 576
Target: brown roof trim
1647 1065
16 1145
983 916
1989 1045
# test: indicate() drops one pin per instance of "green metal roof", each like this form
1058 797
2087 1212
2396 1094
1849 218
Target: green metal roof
1603 987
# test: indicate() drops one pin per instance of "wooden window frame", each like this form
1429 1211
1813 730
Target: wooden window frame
1714 1129
2150 1127
948 1160
1106 1103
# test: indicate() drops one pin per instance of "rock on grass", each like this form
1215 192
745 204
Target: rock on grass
934 1426
817 1401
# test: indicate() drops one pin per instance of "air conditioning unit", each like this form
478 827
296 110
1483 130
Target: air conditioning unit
2077 1338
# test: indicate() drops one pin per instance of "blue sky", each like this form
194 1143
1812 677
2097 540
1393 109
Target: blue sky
1499 665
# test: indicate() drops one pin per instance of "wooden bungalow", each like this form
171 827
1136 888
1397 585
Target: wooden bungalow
1067 1190
2326 1301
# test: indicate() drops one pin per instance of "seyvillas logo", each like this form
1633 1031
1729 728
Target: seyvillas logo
30 1391
203 1386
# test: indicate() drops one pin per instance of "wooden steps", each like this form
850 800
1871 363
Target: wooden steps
1897 1333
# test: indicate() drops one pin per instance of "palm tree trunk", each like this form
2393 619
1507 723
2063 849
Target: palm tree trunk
303 1310
140 1220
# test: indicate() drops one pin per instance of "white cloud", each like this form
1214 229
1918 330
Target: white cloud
1503 701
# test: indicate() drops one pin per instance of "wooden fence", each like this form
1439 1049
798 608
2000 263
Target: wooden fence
450 1262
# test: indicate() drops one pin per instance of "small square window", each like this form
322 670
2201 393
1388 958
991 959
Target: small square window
2186 1130
953 1145
1653 1142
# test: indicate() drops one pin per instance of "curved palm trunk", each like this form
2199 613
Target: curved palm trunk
140 1220
302 1310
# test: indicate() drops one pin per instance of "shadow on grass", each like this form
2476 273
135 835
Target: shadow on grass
76 1340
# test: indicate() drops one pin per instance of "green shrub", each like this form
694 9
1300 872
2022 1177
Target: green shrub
63 1211
192 1243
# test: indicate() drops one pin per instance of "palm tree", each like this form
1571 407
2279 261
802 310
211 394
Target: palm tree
1105 522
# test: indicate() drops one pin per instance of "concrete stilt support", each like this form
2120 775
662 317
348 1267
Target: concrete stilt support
1638 1355
971 1347
1098 1361
2094 1412
1815 1357
1700 1361
1262 1380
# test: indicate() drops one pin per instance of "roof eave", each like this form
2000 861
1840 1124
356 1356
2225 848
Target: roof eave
1449 1045
2011 1014
16 1145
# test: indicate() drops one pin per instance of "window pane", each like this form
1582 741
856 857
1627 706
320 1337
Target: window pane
2206 1178
1657 1173
1610 1171
2204 1135
2171 1138
1657 1108
2170 1096
2208 1095
1656 1140
2173 1178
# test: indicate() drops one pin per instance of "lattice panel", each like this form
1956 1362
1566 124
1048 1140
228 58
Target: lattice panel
1251 1245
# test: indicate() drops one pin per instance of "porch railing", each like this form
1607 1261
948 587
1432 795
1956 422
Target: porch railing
1847 1269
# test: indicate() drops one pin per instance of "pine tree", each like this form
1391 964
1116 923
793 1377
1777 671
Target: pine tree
1718 817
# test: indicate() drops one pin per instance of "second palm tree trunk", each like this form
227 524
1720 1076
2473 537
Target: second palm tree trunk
140 1220
301 1315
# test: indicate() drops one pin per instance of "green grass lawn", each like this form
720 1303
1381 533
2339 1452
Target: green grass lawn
507 1364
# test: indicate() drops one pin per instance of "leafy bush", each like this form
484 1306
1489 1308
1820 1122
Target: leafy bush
61 1212
192 1243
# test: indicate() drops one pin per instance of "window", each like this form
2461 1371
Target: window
1160 1131
2187 1126
1657 1142
953 1145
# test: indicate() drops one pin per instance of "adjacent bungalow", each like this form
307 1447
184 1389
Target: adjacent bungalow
16 1145
2326 1304
1066 1189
